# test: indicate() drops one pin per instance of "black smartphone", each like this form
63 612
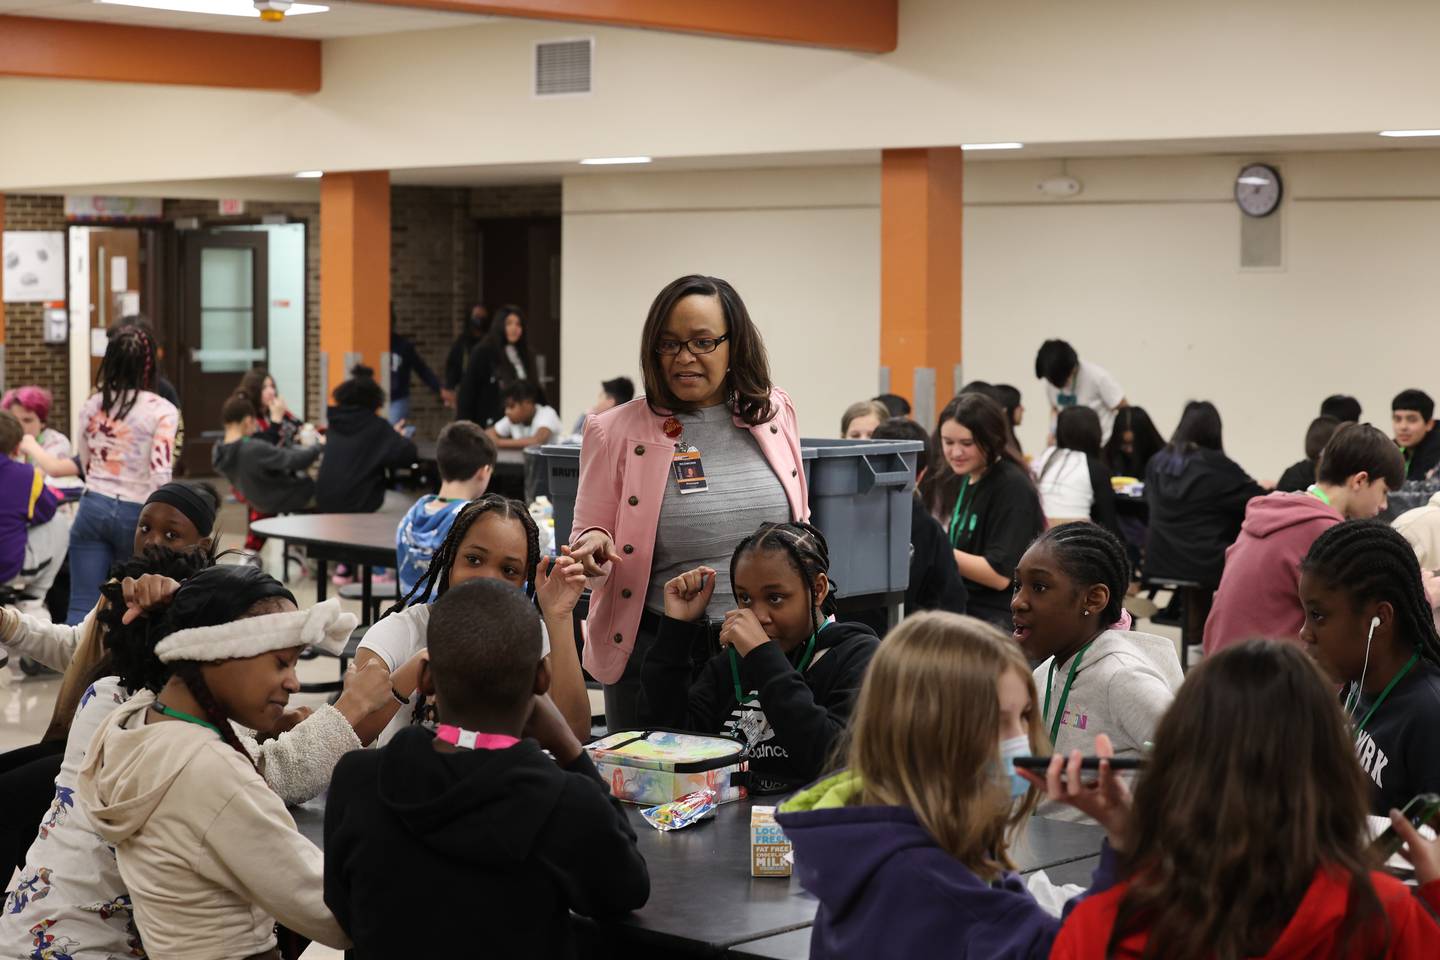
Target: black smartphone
1422 810
1040 764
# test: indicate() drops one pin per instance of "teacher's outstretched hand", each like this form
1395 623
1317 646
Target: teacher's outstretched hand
594 549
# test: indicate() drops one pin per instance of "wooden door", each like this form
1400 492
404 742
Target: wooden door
114 283
223 329
520 264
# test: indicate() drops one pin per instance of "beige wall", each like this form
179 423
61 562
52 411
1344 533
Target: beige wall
1141 273
802 247
964 71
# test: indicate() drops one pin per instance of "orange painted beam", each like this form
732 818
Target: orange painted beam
921 204
76 50
355 271
868 26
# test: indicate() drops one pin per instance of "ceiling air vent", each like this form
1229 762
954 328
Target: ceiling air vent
562 67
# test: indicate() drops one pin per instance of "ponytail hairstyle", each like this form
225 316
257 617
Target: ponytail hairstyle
809 555
985 419
1078 429
436 581
212 597
1370 561
128 368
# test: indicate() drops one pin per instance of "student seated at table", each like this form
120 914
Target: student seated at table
1133 443
359 444
1369 626
471 824
1247 836
612 394
1073 481
527 422
1413 415
896 404
490 538
861 419
1197 499
272 478
1258 596
466 459
27 506
1098 676
980 492
1010 401
908 849
209 855
934 582
69 868
1301 474
786 680
31 406
1072 382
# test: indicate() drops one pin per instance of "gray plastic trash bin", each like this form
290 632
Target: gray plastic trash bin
859 498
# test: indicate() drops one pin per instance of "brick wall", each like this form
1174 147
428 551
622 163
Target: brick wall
526 200
28 358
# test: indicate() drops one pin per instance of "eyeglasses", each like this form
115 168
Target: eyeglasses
698 346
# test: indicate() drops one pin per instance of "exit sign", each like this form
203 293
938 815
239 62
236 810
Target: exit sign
232 208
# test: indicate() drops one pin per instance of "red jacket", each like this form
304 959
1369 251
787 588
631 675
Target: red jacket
1259 595
1310 935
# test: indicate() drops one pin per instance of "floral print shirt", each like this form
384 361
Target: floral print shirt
128 458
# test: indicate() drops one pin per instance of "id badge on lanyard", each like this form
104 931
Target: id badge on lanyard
686 465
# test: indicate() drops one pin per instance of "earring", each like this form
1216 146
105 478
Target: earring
1085 613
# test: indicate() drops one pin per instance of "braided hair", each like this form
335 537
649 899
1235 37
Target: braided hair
436 581
809 555
128 368
1089 554
130 647
1369 560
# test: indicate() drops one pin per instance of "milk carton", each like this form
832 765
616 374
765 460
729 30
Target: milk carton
769 850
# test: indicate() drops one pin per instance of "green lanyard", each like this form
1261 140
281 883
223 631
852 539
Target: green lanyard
1064 694
1385 693
1319 494
163 710
735 665
957 522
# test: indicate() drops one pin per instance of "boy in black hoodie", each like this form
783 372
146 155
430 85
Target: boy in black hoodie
469 834
786 679
359 445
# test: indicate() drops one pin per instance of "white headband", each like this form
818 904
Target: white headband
323 625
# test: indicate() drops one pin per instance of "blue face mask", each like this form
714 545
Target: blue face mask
1009 750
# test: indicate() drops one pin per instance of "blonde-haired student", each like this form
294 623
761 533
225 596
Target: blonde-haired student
907 849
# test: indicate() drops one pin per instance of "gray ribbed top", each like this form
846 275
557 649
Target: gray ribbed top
704 528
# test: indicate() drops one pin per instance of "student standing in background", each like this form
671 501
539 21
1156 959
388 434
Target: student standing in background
1071 382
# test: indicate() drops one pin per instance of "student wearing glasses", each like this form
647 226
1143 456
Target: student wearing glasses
674 480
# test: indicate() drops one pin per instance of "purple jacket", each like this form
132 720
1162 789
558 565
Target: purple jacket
887 890
24 501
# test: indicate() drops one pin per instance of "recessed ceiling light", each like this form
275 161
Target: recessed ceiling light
1002 145
1410 133
608 161
310 174
216 8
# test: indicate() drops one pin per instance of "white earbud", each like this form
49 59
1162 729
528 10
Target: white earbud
1354 698
1374 622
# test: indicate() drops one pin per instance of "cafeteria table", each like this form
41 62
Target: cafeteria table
703 901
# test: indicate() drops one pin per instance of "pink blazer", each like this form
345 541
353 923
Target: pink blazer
624 467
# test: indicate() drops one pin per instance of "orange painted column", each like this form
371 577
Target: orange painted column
354 273
921 205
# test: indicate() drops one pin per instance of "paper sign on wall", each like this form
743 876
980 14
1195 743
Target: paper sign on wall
119 274
130 304
57 323
98 341
34 266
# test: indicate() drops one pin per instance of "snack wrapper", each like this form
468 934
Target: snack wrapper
678 814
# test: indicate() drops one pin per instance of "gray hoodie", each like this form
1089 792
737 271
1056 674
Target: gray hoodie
268 475
1124 684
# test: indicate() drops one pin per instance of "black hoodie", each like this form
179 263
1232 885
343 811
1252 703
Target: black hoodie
1422 459
473 852
1197 503
359 445
800 715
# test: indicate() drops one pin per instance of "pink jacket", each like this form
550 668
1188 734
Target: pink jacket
1259 594
624 467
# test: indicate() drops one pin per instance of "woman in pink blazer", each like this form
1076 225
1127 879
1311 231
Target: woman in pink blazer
677 478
